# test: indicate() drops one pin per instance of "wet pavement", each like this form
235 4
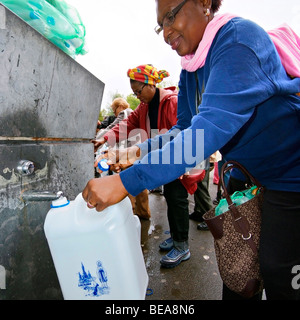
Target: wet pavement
195 279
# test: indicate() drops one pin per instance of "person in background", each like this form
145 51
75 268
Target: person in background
202 202
215 158
250 112
105 122
121 110
156 114
100 128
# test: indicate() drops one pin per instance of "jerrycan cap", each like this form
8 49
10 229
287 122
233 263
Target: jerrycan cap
102 165
60 202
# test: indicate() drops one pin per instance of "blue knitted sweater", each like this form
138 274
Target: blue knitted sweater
249 111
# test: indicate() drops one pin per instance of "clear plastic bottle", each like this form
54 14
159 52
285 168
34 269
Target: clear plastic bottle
103 167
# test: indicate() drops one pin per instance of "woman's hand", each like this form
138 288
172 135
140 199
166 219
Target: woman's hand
101 193
98 143
120 159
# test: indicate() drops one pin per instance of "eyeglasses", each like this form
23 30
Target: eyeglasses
138 92
169 18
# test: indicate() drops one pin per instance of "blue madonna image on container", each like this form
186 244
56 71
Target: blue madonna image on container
95 286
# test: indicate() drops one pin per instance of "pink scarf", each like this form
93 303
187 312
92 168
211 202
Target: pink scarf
192 62
285 39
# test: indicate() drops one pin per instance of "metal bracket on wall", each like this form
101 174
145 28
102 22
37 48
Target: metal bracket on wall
25 167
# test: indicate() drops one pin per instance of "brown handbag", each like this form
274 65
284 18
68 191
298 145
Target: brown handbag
236 235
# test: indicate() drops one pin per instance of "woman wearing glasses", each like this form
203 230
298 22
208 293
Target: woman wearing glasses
249 110
156 114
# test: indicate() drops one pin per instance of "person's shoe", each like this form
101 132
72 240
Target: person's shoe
174 257
167 245
196 216
202 226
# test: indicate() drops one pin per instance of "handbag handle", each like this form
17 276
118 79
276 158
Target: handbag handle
234 164
240 222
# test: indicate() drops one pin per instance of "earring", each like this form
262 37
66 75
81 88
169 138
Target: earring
207 13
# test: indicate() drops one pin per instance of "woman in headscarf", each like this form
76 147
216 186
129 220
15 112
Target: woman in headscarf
156 114
249 111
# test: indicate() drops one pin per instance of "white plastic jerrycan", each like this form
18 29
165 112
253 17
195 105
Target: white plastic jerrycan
97 255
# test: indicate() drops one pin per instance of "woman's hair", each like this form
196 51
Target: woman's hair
120 102
215 5
133 81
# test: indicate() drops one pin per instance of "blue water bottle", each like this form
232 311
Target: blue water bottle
104 167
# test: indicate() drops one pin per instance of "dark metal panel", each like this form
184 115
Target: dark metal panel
24 251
